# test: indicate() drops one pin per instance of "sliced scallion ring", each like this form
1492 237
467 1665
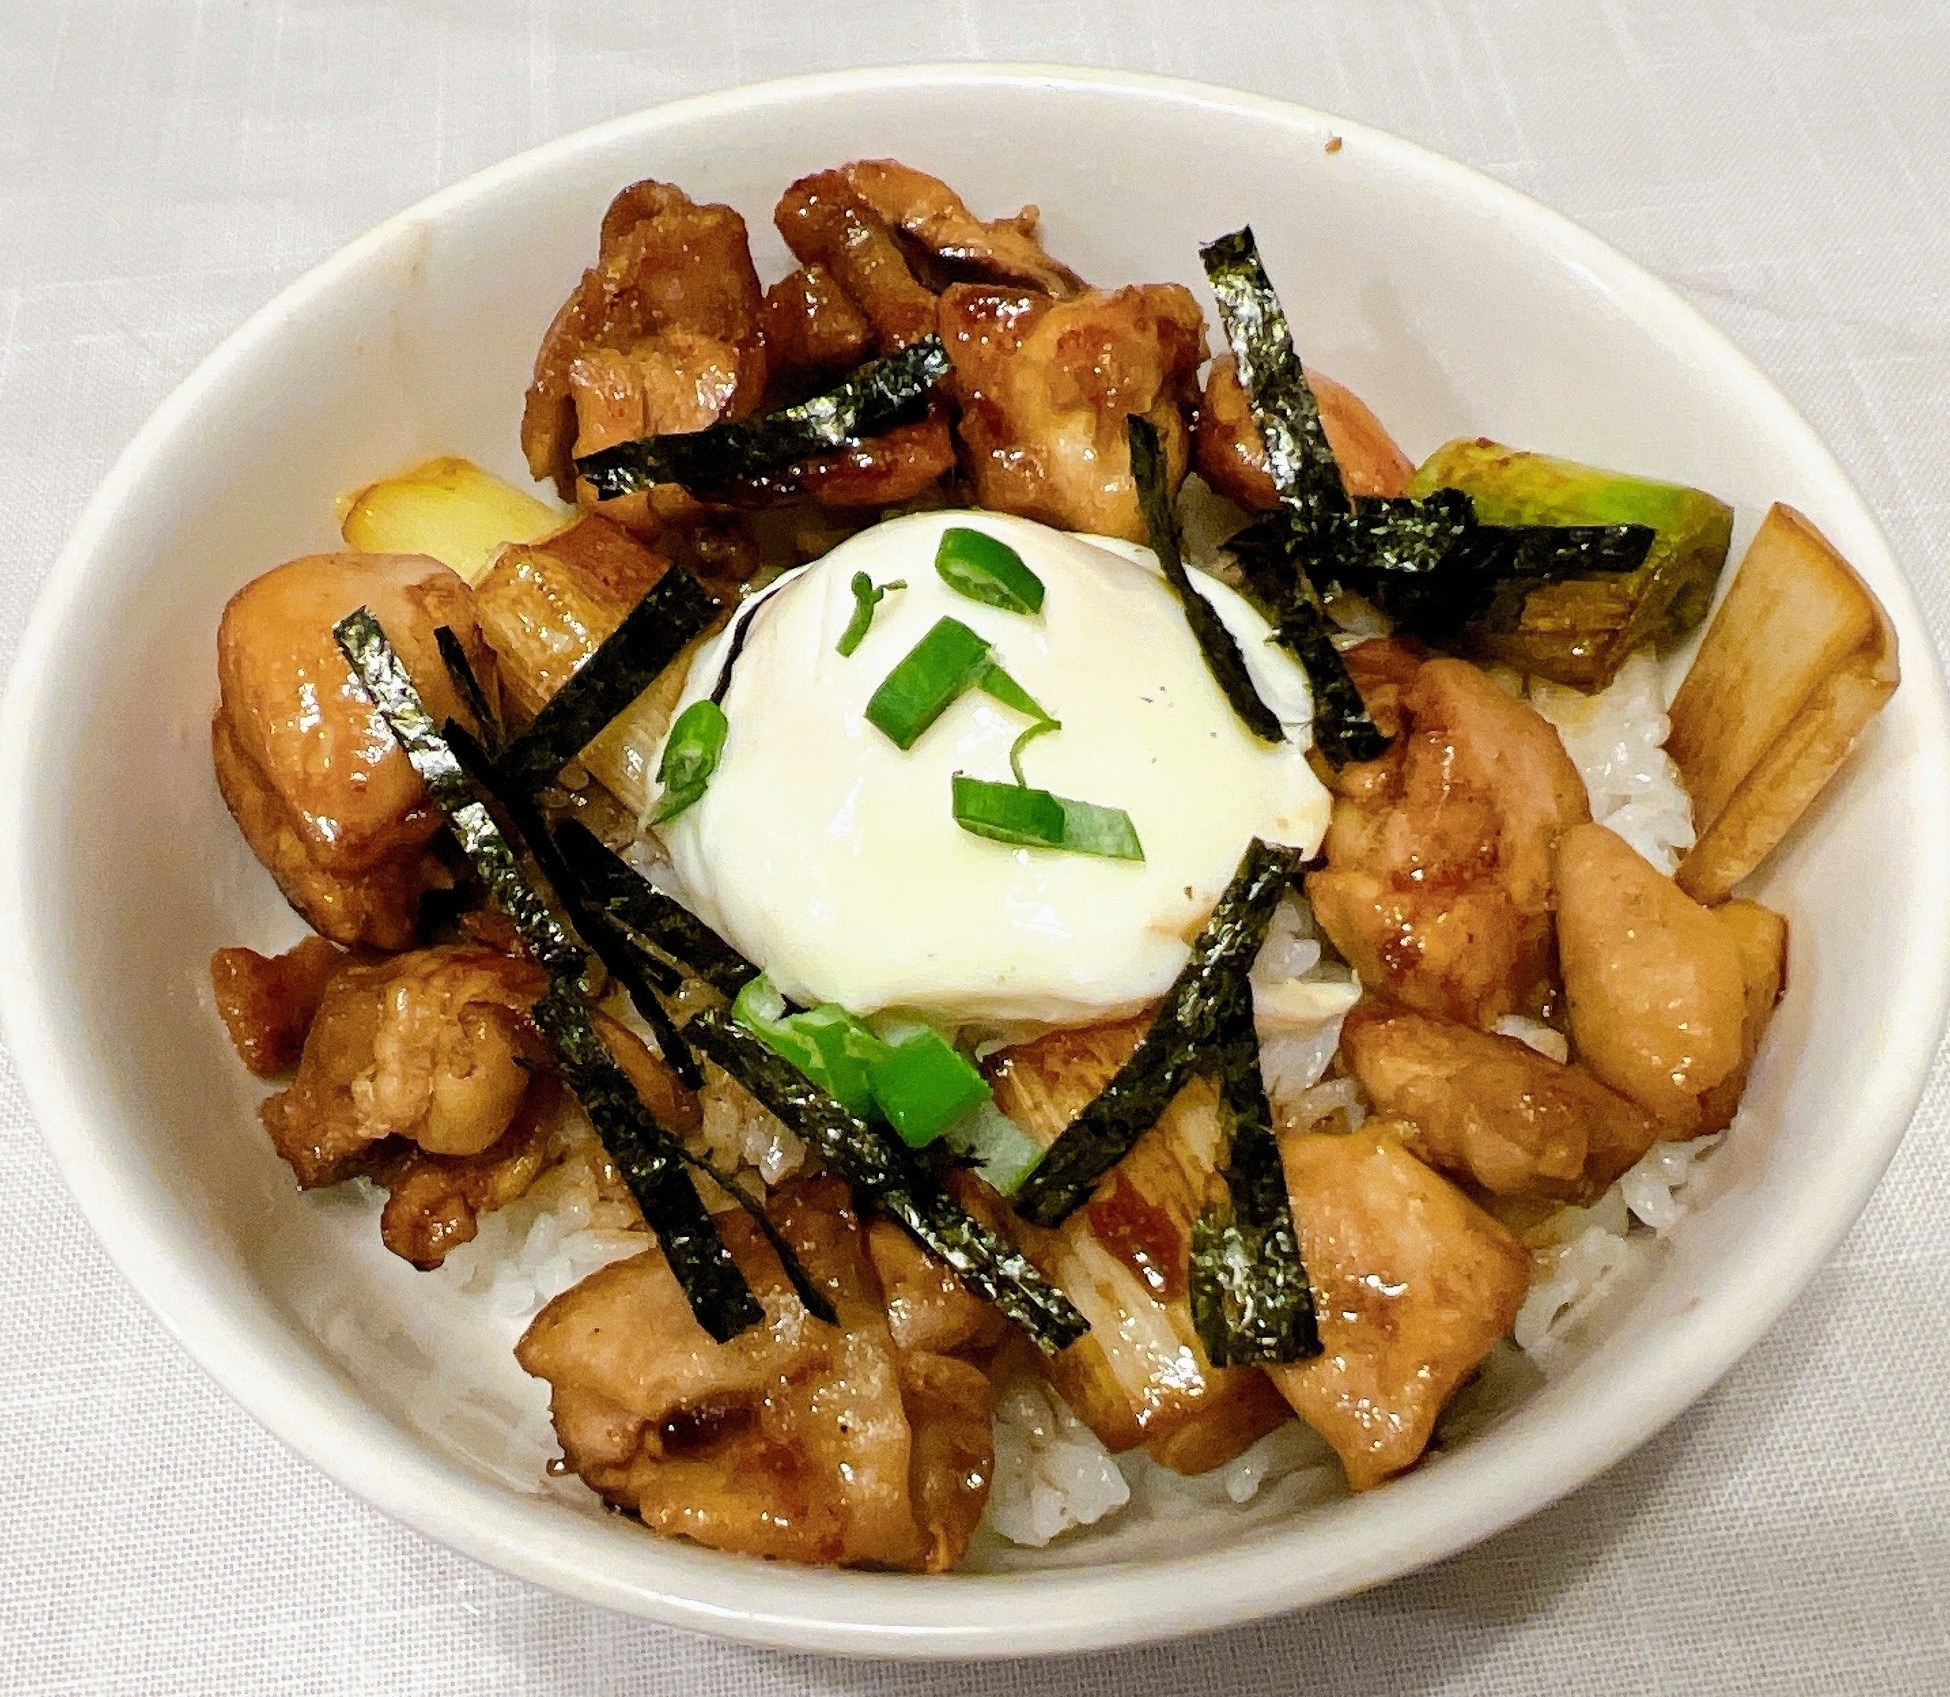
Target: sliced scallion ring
987 569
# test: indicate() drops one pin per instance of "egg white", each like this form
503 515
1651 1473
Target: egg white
831 857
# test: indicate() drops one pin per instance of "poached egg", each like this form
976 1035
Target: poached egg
831 857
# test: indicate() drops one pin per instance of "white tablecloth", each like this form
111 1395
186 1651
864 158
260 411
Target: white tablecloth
166 168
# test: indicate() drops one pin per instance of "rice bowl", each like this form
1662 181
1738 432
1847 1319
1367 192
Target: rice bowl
236 1303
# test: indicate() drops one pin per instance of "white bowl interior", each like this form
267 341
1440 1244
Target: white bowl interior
1452 305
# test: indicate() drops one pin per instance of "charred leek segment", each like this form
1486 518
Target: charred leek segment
1297 451
885 1176
1032 818
873 399
1221 650
651 1160
1183 1040
1250 1295
987 569
676 610
645 915
690 757
867 595
1574 621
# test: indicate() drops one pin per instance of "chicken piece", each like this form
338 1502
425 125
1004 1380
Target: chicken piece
662 333
1492 1109
930 213
672 1103
812 327
428 1046
1140 1376
796 1440
1413 1284
1229 454
267 1002
323 794
434 1202
1045 387
1652 981
827 222
928 1308
1437 887
1761 935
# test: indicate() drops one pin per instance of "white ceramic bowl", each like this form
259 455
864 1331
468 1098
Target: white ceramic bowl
1454 305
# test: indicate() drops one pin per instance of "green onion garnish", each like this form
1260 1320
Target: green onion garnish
1032 818
927 681
999 686
924 1085
690 757
1003 1153
831 1047
1023 741
987 569
867 595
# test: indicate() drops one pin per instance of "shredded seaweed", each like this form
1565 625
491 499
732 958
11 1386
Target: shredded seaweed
1282 400
468 687
874 398
1251 1299
1181 1041
885 1176
645 914
649 1157
657 629
1221 650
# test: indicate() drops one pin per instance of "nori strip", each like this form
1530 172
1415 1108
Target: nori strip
1192 1020
1250 1295
676 609
874 398
885 1176
645 914
384 678
467 686
1297 451
1221 650
650 1159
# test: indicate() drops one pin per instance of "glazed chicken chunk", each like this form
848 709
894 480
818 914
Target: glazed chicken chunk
797 1439
432 1046
1437 887
1230 456
1491 1109
1045 386
1413 1284
319 788
663 333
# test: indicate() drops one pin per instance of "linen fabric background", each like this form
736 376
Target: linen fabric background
167 168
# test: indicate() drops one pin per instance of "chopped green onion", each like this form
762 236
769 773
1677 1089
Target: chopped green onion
1023 741
927 681
1032 818
690 757
826 1043
867 595
987 569
1004 1154
999 686
924 1085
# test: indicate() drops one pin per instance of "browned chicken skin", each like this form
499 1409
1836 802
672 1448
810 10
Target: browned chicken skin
1413 1284
313 777
1045 387
430 1046
827 222
267 1002
812 326
1229 455
1438 879
662 333
797 1440
1491 1109
929 212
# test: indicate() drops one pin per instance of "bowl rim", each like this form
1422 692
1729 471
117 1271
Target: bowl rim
1443 1510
